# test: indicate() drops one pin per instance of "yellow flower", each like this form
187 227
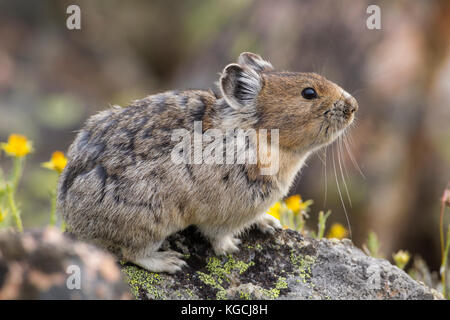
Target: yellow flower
57 162
274 211
337 231
17 146
2 215
296 204
293 202
401 258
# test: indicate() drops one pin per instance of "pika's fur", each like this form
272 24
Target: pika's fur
121 190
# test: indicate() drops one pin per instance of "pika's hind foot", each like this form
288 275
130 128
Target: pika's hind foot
268 224
161 261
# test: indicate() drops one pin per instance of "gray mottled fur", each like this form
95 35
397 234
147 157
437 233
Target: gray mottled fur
121 191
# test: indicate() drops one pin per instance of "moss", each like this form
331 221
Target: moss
139 279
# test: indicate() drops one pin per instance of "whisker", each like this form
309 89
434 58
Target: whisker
340 193
351 156
320 157
344 162
354 93
326 179
339 151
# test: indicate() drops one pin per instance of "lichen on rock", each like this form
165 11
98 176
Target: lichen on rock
33 265
283 266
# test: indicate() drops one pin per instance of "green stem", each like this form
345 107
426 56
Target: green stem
322 223
300 222
2 187
291 218
441 225
12 206
17 172
444 265
11 188
2 175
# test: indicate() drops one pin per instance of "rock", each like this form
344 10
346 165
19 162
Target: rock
45 264
283 266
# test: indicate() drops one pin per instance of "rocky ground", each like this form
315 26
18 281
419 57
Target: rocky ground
39 264
45 264
284 266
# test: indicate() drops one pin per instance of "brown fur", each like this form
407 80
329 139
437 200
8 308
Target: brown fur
121 190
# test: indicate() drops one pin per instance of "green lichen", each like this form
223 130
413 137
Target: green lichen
189 293
184 294
303 264
245 295
271 294
139 279
275 292
221 295
257 247
210 280
281 283
220 272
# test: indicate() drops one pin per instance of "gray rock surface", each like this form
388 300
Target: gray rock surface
283 266
34 265
45 264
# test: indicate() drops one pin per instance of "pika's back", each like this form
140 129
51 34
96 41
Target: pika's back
115 139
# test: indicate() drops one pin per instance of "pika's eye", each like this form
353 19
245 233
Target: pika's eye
309 93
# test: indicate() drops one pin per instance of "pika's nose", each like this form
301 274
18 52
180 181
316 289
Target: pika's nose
351 105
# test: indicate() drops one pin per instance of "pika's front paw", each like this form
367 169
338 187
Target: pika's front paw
268 224
226 245
162 261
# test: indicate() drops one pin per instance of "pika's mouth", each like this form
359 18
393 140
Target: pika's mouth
336 120
341 113
341 110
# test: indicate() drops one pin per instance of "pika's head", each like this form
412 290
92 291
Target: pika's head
308 110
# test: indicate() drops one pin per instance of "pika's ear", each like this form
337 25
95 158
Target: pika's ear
239 85
254 62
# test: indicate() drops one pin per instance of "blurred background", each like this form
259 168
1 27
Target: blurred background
52 79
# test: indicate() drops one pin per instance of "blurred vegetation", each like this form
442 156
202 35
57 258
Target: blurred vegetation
52 79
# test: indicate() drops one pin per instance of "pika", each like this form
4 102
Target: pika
122 190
